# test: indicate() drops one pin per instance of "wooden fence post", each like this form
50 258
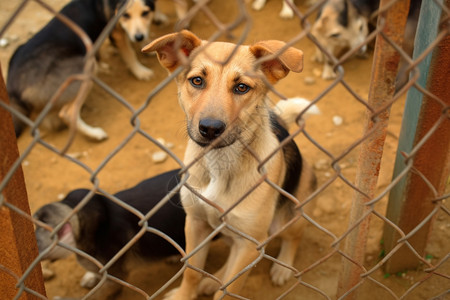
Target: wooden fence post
18 247
410 201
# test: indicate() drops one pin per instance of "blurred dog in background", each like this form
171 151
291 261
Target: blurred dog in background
343 25
340 26
39 67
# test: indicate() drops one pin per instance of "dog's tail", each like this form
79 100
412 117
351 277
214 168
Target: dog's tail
289 109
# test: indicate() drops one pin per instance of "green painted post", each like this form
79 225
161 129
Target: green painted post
410 201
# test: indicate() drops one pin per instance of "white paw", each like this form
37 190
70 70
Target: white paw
97 133
280 274
89 280
208 286
328 72
329 75
287 13
142 73
258 4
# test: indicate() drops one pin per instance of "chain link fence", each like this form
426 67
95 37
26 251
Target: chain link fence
380 150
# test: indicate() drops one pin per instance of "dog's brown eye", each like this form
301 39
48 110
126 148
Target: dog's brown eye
145 13
126 15
241 89
197 82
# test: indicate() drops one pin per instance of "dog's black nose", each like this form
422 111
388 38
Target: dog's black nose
210 128
139 37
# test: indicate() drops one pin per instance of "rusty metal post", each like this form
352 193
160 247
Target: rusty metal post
381 92
410 202
18 247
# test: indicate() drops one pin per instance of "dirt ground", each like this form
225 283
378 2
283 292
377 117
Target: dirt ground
49 177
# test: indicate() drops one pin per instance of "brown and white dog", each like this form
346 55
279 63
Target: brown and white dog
134 27
232 153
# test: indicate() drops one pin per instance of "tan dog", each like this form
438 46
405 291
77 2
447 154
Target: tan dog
232 130
134 27
338 28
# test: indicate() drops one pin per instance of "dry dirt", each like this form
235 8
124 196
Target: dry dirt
48 176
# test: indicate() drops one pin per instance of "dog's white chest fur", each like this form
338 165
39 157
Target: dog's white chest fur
221 193
230 175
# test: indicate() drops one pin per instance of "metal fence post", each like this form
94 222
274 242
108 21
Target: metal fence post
18 247
411 200
381 92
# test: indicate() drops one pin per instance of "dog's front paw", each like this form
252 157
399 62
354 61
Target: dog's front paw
208 286
280 274
258 4
89 280
96 133
287 13
328 72
142 73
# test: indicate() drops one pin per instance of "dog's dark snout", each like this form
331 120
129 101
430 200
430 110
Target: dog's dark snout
210 128
139 37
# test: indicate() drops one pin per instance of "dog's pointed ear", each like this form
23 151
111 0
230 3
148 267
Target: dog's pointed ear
172 47
277 68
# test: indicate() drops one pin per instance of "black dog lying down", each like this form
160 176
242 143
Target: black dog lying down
101 228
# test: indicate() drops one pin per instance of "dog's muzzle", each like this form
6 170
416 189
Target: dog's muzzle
211 129
139 37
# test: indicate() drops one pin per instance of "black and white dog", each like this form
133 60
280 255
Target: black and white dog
102 228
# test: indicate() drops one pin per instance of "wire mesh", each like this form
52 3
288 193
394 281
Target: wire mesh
143 118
